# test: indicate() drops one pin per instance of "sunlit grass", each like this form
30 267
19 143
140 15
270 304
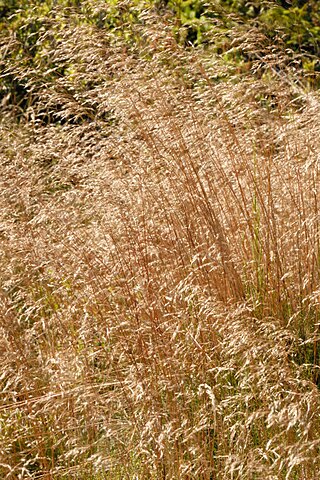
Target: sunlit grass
160 274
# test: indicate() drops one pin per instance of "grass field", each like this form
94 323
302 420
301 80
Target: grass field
160 265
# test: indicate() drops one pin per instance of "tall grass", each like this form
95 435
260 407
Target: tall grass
160 270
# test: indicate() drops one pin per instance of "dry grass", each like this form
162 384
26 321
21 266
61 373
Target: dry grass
160 271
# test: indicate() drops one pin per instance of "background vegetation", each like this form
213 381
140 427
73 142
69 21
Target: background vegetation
160 240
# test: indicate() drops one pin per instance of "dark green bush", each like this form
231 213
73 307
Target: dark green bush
29 30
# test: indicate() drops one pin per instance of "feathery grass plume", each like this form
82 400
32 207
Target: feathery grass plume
159 263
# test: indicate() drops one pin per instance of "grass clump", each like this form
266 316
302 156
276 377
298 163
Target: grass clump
159 258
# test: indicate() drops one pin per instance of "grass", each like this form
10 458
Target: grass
160 272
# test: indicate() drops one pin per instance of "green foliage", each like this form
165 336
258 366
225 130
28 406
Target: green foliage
297 26
29 31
